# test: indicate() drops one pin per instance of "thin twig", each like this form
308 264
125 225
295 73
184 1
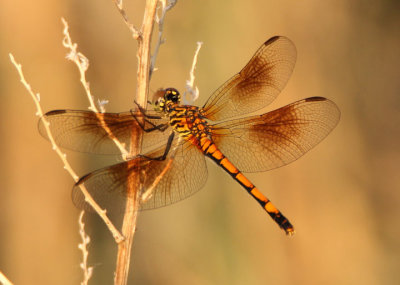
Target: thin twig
4 280
87 271
132 203
190 88
135 33
160 21
88 198
82 62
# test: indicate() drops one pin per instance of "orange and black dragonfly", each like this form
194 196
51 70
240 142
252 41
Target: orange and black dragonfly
181 136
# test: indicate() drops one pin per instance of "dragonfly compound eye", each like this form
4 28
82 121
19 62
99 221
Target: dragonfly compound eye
171 94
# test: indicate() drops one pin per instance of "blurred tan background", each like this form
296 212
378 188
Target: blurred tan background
343 197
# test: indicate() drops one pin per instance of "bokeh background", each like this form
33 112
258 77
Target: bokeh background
343 196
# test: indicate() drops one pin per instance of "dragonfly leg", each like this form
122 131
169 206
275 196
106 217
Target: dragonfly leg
160 127
167 149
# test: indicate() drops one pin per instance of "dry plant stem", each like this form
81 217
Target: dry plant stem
87 271
134 31
132 204
4 280
82 63
160 21
190 88
36 98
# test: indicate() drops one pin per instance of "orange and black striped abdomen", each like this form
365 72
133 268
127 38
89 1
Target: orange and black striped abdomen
211 150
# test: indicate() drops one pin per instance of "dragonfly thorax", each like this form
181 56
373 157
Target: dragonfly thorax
185 120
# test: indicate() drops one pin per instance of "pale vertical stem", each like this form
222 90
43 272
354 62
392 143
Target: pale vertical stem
132 205
190 88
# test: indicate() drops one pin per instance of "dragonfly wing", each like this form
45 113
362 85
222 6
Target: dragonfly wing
185 173
164 182
274 139
86 131
257 84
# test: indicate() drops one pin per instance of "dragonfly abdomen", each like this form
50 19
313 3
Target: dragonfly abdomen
211 150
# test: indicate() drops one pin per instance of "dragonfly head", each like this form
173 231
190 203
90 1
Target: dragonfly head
165 97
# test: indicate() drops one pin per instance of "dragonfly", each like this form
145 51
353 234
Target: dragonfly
178 137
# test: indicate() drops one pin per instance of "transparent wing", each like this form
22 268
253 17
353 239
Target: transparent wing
257 84
180 175
261 143
85 131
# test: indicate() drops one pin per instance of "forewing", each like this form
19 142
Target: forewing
261 143
257 84
164 182
87 131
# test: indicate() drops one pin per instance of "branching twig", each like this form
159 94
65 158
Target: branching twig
36 98
82 63
145 67
160 21
87 271
134 31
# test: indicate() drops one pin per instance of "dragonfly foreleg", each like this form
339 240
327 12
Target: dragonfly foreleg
166 151
153 127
